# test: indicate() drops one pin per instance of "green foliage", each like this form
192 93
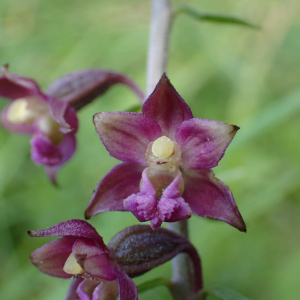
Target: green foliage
226 294
228 73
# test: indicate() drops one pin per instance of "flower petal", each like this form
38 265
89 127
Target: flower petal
210 197
126 135
143 204
106 290
127 288
43 152
93 259
14 86
67 148
86 288
15 127
167 107
51 257
72 293
203 142
64 115
120 182
74 228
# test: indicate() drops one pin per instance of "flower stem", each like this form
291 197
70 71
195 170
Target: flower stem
159 41
161 19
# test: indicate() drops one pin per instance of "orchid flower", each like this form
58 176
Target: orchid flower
82 254
167 158
51 122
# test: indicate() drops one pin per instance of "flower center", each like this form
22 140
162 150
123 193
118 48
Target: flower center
28 110
163 147
72 266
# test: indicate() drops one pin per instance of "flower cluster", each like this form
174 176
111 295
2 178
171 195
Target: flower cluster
167 158
51 122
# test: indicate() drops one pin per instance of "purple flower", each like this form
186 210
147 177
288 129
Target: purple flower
167 158
52 123
81 254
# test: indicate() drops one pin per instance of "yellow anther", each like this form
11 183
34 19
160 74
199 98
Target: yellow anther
163 147
51 128
19 112
72 267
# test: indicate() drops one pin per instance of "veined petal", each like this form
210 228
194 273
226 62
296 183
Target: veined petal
119 183
203 142
210 197
15 127
73 228
126 135
86 288
72 293
106 290
67 149
127 288
14 86
167 107
51 257
43 152
64 115
93 259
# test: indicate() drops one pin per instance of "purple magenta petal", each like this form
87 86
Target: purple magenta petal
126 135
51 257
106 290
14 86
63 115
72 293
120 182
210 197
93 259
127 288
43 152
15 127
67 148
203 142
143 204
167 107
74 228
86 288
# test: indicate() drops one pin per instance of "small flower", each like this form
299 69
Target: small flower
52 123
167 158
82 254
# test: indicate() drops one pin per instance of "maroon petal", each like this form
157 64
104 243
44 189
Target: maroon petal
64 115
43 152
93 259
210 197
203 142
86 288
106 290
51 258
14 86
127 288
81 87
126 135
167 107
67 149
120 182
15 127
74 228
72 293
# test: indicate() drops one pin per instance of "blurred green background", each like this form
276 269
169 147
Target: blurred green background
233 74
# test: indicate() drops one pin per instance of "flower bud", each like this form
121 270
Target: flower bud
138 249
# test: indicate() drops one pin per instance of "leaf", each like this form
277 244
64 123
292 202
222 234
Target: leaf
211 17
82 87
226 294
